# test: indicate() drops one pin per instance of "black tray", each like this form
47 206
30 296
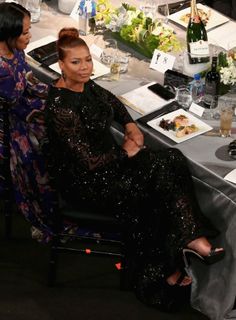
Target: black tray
46 54
172 106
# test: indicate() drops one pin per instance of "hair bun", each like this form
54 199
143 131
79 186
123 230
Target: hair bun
68 32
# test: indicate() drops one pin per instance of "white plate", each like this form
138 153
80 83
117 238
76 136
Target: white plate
215 19
202 126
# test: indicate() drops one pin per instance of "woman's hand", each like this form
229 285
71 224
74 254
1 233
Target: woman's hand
130 147
132 132
133 139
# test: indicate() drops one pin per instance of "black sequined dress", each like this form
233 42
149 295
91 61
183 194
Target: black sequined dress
151 193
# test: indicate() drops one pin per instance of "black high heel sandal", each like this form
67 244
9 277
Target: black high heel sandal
213 256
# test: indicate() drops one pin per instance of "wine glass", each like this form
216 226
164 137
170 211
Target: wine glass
163 8
149 8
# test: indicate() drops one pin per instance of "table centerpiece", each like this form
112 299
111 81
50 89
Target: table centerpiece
141 31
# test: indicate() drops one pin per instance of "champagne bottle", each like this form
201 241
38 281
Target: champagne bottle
197 41
212 82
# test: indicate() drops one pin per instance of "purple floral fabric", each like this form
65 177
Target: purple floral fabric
24 97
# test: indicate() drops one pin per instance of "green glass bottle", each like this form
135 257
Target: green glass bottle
197 41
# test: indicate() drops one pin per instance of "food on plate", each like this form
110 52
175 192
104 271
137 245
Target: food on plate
205 16
180 124
182 131
181 121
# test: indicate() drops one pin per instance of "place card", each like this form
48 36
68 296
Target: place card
195 108
162 61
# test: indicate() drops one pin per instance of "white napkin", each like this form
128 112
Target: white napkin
231 176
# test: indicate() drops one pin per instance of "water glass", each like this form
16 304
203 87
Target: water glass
109 51
34 7
226 118
123 59
183 97
115 68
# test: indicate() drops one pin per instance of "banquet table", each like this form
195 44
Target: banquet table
214 287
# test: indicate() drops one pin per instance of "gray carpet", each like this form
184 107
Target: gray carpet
87 287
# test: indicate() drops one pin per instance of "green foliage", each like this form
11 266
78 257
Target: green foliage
127 33
128 7
151 42
222 60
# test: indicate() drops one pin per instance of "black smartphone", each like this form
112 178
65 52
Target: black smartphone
161 91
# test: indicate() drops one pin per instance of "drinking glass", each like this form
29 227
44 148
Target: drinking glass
226 118
109 51
149 8
163 8
34 7
115 68
123 59
183 97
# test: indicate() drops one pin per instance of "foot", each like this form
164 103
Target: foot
177 278
202 246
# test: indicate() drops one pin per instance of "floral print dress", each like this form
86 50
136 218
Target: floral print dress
23 98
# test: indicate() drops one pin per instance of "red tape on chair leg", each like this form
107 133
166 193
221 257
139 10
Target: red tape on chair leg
118 266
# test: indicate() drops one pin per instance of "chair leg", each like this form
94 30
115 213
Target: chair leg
52 273
126 268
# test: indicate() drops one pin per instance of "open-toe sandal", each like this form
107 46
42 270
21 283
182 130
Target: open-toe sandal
213 256
181 278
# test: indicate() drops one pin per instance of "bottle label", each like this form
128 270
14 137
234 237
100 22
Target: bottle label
199 49
87 8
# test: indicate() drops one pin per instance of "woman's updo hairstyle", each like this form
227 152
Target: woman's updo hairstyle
68 38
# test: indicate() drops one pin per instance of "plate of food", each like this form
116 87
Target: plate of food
179 125
210 17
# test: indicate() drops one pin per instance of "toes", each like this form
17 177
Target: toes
186 281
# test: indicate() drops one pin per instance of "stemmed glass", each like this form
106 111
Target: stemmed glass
163 8
149 8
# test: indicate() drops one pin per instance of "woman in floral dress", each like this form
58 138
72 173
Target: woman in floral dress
22 97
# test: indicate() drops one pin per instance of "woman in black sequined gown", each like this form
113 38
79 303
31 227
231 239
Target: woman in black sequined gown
150 192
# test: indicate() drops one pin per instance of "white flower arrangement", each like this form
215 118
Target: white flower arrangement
228 72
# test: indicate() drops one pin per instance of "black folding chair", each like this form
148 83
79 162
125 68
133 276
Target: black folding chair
111 239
